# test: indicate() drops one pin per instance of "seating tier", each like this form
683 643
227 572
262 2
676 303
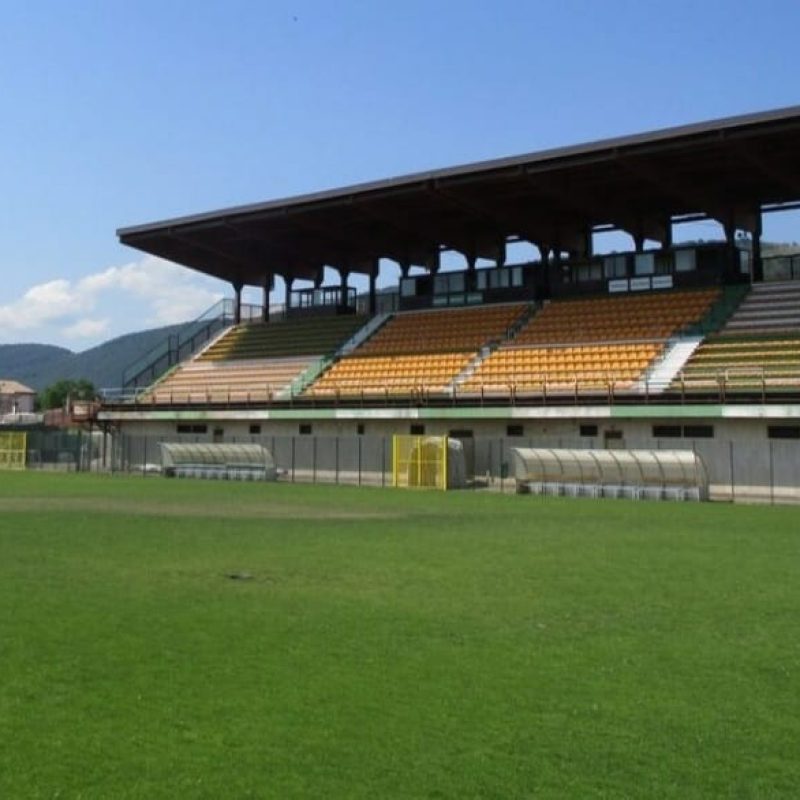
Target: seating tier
239 381
743 364
451 330
585 368
397 374
291 337
652 316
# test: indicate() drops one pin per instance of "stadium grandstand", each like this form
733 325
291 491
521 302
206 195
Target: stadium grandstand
691 340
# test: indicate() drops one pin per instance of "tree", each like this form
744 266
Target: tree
57 394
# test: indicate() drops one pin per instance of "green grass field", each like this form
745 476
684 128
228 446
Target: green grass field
391 644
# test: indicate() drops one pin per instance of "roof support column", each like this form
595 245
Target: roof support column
343 289
269 284
733 271
433 262
666 242
373 277
500 260
544 254
757 265
237 302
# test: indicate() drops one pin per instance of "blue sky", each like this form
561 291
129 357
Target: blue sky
119 113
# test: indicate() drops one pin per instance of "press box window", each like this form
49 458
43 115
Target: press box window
615 267
305 429
588 430
685 261
589 272
644 264
255 430
417 430
515 430
408 287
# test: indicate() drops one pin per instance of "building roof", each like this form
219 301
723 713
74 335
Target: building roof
14 387
728 169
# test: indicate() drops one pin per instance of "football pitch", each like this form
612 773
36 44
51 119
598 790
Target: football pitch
189 639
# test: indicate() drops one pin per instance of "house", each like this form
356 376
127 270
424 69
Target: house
16 398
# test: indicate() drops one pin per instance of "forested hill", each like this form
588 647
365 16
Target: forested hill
39 365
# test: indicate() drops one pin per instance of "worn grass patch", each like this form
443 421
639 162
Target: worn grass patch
391 644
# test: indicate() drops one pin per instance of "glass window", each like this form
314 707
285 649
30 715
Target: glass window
744 262
481 278
499 279
615 267
408 287
783 431
663 263
666 431
644 264
440 284
516 276
685 260
698 431
456 282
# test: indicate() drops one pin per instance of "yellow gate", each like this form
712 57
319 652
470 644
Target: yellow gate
13 449
419 461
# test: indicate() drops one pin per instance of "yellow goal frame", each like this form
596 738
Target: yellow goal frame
419 462
13 450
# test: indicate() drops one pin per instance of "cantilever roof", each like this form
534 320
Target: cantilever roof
726 169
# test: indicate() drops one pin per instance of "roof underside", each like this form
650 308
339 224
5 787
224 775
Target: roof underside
727 170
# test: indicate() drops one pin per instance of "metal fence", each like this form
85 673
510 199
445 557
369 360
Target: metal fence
767 471
740 470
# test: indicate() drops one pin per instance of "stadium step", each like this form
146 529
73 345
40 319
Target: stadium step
677 352
768 307
305 379
362 334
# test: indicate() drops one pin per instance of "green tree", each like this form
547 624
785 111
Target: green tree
56 395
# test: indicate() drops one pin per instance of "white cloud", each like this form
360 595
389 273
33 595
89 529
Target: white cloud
145 293
43 303
86 328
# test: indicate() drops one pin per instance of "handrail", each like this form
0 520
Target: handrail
179 345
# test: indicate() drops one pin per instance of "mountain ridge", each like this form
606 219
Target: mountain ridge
40 365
